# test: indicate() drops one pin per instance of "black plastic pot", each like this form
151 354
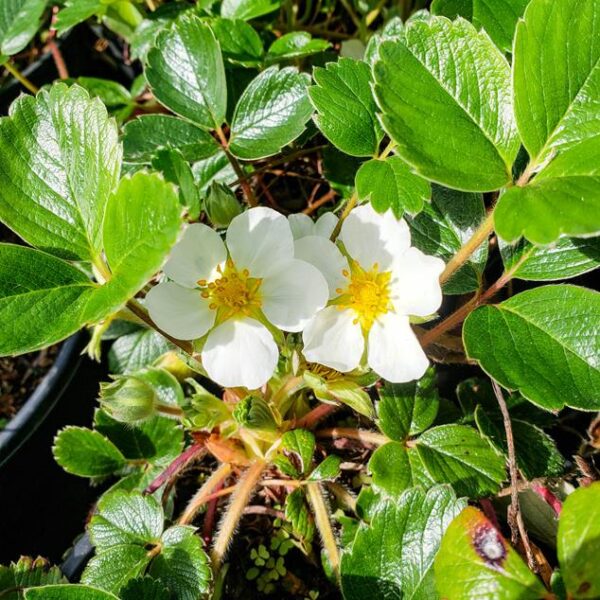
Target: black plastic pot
43 399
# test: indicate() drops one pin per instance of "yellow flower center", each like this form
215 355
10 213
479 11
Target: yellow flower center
367 294
233 293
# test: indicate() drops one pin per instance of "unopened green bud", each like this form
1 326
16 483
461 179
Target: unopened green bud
254 413
128 399
221 205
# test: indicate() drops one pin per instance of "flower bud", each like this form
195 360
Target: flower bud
128 399
221 205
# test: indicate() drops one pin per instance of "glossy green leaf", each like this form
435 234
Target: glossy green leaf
406 409
390 183
146 588
498 17
443 226
59 162
77 11
271 113
86 453
328 469
217 168
475 561
566 258
177 170
239 41
145 136
19 22
543 342
186 73
136 350
445 95
296 44
392 557
392 30
298 514
248 9
390 468
182 564
579 542
457 454
346 109
301 443
68 592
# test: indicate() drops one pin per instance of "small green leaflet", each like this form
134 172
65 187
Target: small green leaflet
186 73
271 113
68 592
248 9
295 44
390 183
449 108
543 342
475 561
19 22
346 110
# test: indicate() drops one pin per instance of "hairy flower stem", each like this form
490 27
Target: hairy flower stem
248 193
361 435
321 514
481 235
201 496
240 498
21 78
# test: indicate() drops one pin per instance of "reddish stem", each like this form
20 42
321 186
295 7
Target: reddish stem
317 414
183 460
211 511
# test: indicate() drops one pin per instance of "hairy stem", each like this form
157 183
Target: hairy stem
321 514
481 235
240 498
362 435
21 78
201 496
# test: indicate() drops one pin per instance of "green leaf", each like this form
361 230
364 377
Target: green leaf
145 136
141 225
566 258
60 161
248 9
68 592
579 542
112 93
391 469
176 170
346 110
146 588
390 183
299 515
443 226
126 519
182 564
239 41
548 208
19 22
498 17
406 409
27 572
270 114
301 443
543 342
186 73
329 469
159 440
475 561
393 556
77 11
136 350
86 453
536 452
296 44
449 106
217 168
351 394
458 455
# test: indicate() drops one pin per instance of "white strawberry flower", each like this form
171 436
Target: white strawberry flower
374 288
233 291
302 225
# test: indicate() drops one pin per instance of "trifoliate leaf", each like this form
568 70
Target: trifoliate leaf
543 342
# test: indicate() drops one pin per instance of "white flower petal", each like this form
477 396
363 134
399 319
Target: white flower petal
416 285
370 237
240 353
261 241
325 224
179 311
325 256
333 339
394 352
301 225
196 256
291 297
